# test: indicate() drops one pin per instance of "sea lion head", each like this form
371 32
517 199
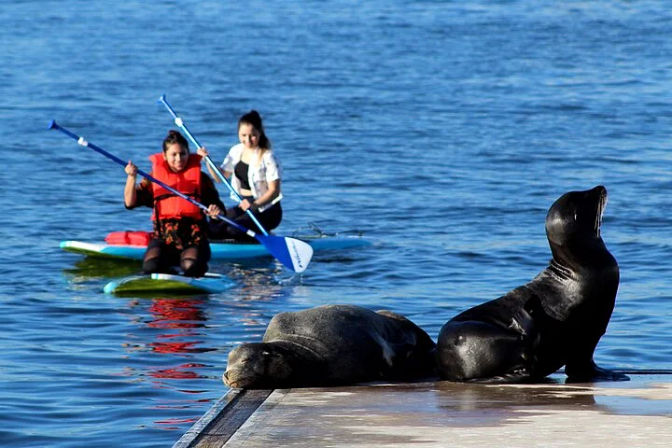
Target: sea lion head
573 221
258 365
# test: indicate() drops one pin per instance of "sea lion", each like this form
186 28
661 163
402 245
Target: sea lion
554 320
332 345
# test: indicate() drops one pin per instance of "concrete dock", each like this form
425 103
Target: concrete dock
637 413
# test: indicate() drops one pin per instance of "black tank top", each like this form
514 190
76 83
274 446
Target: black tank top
240 170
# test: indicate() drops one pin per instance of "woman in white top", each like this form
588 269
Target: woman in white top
254 172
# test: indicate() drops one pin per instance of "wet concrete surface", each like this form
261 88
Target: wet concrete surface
440 414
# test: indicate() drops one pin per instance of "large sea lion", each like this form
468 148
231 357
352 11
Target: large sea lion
554 320
332 345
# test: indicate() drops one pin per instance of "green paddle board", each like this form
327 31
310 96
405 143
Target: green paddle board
169 283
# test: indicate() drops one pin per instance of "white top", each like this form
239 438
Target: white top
260 172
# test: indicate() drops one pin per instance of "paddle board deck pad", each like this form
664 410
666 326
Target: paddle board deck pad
169 283
220 250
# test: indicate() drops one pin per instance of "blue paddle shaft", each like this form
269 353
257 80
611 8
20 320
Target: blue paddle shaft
180 123
81 141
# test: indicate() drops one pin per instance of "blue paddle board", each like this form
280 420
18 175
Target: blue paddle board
169 283
220 250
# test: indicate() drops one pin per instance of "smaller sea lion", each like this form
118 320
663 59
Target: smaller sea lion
332 345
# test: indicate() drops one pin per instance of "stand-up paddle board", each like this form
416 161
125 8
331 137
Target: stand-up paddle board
169 283
220 250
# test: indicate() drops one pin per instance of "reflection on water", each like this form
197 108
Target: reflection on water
259 281
169 333
182 372
89 268
178 322
177 313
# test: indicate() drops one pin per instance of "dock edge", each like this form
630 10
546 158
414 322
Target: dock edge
224 418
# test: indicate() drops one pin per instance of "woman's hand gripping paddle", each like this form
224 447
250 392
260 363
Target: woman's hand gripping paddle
292 253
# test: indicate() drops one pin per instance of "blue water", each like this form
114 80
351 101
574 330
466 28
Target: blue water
440 131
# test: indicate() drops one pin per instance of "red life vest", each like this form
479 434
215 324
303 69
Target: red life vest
188 182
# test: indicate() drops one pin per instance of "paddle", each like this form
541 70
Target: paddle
292 253
234 194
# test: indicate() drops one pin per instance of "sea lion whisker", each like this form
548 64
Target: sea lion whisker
601 206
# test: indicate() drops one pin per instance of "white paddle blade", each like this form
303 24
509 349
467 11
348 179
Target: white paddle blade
300 253
294 254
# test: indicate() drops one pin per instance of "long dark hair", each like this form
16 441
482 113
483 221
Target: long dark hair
254 119
175 137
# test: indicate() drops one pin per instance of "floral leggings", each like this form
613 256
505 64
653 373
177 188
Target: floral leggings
177 243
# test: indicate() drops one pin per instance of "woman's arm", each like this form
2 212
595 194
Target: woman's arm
268 197
272 181
203 152
209 194
130 195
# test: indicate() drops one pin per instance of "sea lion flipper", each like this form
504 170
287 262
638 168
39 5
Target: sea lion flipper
590 372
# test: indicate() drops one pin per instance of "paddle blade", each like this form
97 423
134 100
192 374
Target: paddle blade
294 254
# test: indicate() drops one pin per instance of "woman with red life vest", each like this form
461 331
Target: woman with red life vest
254 172
180 228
